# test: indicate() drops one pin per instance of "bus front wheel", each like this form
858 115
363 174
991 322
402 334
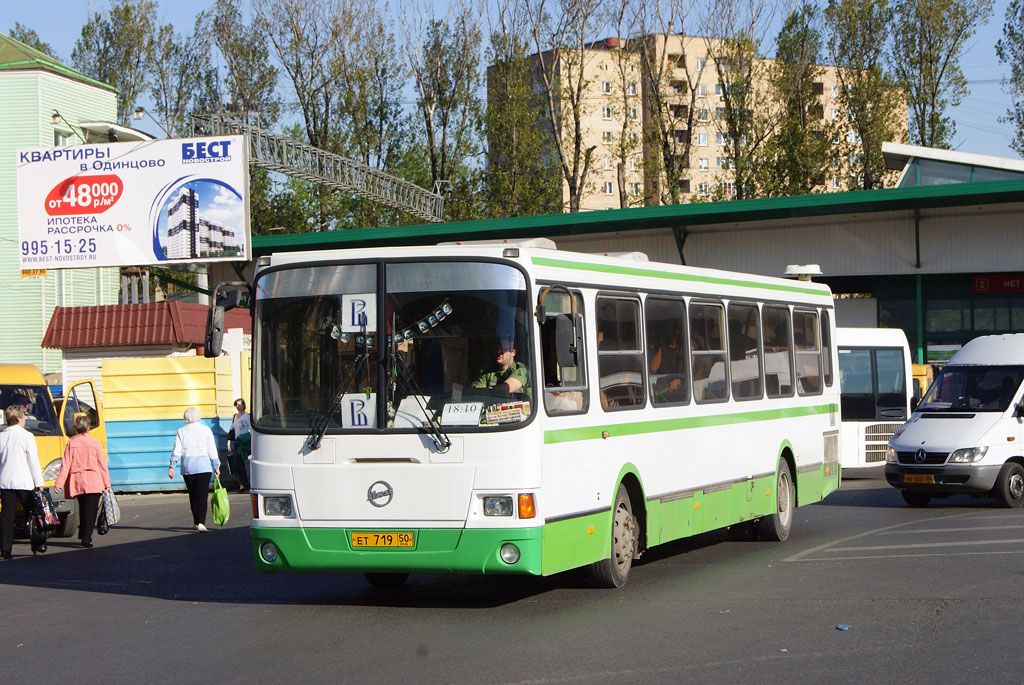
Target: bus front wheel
1010 485
776 526
614 571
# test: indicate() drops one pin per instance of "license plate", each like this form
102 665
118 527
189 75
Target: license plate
924 479
364 539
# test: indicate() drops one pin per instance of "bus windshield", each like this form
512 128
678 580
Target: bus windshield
973 388
445 346
40 416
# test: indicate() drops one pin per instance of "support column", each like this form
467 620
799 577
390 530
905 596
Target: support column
919 307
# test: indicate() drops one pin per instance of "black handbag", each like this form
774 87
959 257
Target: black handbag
102 526
43 511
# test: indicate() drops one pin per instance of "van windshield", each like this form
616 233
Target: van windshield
40 419
973 388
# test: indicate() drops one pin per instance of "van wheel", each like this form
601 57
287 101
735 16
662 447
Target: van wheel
614 571
777 526
68 524
915 498
1010 485
386 580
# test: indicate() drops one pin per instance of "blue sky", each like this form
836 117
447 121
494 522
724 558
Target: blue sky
59 23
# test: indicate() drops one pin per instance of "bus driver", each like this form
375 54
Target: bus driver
509 375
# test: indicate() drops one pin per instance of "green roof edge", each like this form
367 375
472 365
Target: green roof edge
662 216
40 60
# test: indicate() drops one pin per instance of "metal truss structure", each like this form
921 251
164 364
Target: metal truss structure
301 160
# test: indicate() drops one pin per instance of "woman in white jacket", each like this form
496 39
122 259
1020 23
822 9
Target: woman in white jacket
196 447
19 475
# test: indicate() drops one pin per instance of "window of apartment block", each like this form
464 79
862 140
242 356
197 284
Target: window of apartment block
835 137
701 63
727 187
678 87
702 188
719 112
633 164
606 137
609 188
679 111
819 88
835 91
684 186
702 114
607 162
835 114
606 113
835 183
718 89
816 111
702 139
632 88
702 163
722 162
702 90
634 113
634 138
634 188
606 87
720 138
681 135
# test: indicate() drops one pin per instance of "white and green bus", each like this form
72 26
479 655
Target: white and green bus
512 408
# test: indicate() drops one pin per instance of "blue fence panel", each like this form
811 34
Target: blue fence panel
139 452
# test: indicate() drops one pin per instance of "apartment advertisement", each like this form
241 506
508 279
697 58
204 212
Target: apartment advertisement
181 200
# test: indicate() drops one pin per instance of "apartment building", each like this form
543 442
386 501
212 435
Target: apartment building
619 121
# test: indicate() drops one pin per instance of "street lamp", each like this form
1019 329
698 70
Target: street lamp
137 116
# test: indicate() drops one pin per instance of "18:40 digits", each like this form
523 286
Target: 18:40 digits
62 246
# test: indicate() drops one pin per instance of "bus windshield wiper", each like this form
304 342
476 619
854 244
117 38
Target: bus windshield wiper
441 438
324 417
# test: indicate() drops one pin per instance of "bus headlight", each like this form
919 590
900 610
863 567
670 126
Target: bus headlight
277 505
51 470
890 455
498 506
967 455
509 553
268 550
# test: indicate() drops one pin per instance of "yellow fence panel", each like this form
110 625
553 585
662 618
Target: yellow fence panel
163 387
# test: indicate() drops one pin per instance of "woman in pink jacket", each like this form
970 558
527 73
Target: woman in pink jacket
84 472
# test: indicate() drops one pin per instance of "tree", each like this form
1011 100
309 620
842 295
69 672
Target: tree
518 182
672 78
178 74
748 116
308 39
797 157
858 32
250 78
562 44
1010 50
29 37
116 48
444 58
626 60
928 40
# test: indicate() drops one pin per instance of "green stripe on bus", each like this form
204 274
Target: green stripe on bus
672 276
616 430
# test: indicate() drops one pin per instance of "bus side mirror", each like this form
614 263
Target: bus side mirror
565 340
214 331
914 401
1018 410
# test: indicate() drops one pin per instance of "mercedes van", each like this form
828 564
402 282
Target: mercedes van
51 422
967 433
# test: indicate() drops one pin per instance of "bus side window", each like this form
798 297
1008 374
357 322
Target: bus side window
707 352
744 352
667 356
565 385
778 351
808 352
620 357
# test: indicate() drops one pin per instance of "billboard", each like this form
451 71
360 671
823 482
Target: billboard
157 202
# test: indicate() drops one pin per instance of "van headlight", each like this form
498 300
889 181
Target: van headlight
890 455
967 455
51 470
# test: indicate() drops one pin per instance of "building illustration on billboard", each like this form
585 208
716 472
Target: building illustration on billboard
190 234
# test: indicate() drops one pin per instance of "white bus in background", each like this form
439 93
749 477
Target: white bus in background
874 380
653 402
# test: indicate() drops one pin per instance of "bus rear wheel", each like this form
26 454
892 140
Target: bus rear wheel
614 571
776 527
386 580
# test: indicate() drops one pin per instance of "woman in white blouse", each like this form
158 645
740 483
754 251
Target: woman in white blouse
196 447
19 475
